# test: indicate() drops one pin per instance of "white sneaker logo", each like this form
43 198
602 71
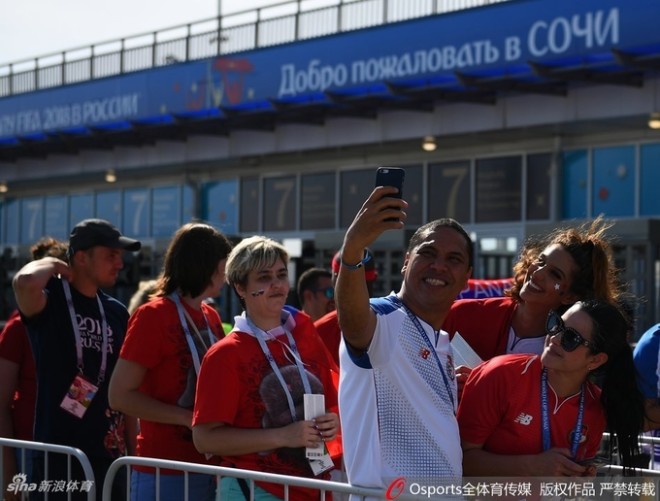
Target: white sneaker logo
524 419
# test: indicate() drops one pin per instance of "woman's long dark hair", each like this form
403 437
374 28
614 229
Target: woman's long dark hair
191 259
621 398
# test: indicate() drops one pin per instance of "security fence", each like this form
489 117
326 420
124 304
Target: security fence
609 477
125 464
31 454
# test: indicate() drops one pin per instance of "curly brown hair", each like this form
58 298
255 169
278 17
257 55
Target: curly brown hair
596 274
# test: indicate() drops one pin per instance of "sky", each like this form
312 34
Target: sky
31 28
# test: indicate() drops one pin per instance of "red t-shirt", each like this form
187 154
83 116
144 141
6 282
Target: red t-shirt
250 396
15 347
501 408
156 340
483 323
328 328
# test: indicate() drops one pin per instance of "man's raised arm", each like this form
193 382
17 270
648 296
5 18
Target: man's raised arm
379 213
30 281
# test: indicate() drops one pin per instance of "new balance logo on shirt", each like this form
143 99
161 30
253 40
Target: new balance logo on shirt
524 419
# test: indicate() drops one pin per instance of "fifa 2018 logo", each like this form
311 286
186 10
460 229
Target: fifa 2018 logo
395 489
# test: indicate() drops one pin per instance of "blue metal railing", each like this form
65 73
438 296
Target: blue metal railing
285 22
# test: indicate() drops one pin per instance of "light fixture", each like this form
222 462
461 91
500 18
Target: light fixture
110 176
3 187
654 120
429 144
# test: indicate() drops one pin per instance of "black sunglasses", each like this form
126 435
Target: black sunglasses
328 292
570 338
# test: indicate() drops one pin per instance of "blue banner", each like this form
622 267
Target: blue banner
496 40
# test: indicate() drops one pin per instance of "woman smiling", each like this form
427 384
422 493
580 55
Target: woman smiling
543 412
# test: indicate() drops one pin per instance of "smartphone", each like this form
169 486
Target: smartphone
596 461
391 176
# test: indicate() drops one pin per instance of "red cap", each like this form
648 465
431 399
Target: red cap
370 273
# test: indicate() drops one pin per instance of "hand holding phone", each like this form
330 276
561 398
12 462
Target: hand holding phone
391 176
596 461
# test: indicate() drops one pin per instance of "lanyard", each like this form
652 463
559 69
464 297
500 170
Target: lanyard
76 333
184 324
413 318
577 432
260 335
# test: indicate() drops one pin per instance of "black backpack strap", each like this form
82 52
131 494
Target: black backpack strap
244 488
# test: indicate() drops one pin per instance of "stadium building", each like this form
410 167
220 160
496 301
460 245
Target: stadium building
513 117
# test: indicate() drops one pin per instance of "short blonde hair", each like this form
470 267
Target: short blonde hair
253 253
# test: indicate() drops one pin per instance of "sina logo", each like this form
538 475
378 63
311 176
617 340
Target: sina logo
395 488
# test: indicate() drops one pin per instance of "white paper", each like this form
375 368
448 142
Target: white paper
314 407
463 353
318 457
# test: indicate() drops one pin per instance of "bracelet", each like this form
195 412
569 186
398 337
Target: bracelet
359 265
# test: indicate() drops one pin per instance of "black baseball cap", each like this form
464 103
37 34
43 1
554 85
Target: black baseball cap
92 232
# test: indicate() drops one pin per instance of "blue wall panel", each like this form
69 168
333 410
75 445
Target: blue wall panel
32 220
57 217
80 207
650 180
108 206
613 191
575 177
220 205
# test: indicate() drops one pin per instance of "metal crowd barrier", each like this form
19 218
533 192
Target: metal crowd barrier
22 482
324 486
643 439
607 474
616 470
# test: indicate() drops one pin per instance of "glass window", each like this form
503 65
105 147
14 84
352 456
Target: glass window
219 206
318 201
413 193
249 214
57 218
575 175
449 191
32 220
80 207
614 181
355 187
165 211
189 204
11 220
280 203
539 168
108 206
499 189
136 212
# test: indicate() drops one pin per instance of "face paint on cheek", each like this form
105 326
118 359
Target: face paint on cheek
257 293
557 287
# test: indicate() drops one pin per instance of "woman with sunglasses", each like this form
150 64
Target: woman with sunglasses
543 412
571 264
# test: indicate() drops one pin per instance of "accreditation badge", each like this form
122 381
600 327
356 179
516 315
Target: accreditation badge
79 396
